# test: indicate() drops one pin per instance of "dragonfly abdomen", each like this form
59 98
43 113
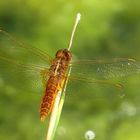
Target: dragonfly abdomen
49 97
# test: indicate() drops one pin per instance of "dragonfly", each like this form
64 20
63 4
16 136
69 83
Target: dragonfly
54 70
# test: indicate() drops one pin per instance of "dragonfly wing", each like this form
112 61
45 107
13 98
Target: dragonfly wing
18 51
25 77
21 65
91 69
85 73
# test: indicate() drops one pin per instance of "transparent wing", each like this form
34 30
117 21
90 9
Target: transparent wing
21 53
93 78
20 64
98 71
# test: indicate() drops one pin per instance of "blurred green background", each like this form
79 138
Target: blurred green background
108 29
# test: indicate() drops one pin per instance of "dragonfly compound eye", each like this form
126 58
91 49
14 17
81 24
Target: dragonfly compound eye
68 54
59 53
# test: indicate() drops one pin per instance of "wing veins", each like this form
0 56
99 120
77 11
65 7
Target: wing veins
106 69
25 66
89 80
34 50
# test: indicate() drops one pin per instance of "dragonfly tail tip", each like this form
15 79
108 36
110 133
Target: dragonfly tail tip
42 118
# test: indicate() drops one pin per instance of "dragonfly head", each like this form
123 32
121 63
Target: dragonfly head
64 54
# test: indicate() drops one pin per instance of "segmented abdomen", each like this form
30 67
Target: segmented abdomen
49 96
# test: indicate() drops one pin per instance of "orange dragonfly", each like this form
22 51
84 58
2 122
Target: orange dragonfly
53 71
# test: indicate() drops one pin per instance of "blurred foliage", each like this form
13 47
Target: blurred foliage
108 29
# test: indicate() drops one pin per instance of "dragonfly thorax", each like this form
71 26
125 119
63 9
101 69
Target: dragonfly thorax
60 63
